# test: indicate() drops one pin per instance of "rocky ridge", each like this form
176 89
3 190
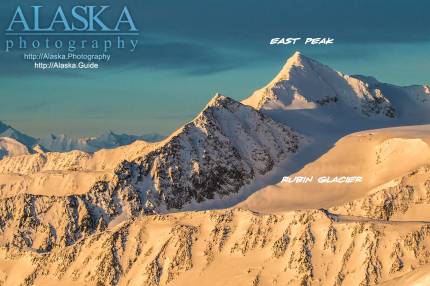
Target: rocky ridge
294 248
215 155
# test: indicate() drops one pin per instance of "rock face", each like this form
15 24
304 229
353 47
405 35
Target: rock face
56 199
104 238
404 199
209 248
53 201
220 151
41 223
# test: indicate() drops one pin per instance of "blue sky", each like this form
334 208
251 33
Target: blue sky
191 49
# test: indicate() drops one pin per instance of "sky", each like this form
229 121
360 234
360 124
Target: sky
189 50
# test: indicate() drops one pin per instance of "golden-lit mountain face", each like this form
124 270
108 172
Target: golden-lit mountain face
250 193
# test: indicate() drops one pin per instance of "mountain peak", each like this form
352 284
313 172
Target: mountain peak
296 57
219 100
304 83
297 60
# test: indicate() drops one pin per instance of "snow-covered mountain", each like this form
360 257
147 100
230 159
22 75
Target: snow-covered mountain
64 143
10 132
412 103
223 247
11 147
317 100
304 83
49 201
222 150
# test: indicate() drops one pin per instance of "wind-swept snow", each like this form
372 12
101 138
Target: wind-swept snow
326 104
307 84
378 156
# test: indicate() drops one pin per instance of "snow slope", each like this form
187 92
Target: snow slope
417 277
307 84
379 156
62 174
11 147
325 104
10 132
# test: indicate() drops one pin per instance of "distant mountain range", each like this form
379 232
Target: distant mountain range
64 143
108 140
